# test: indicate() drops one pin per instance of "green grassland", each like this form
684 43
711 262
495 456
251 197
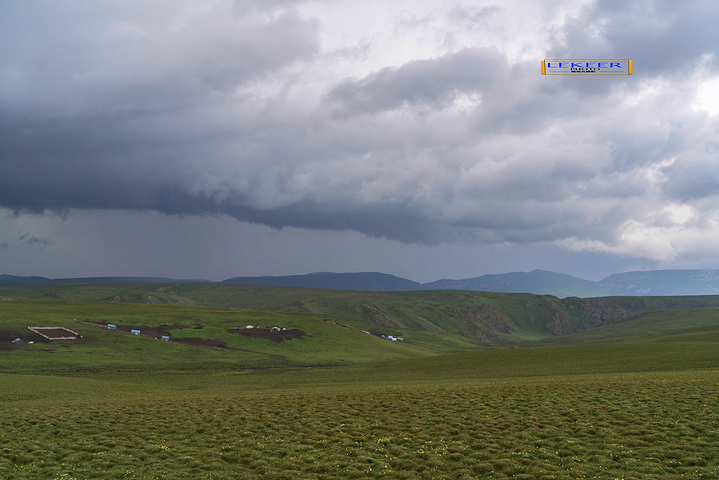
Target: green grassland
630 397
660 325
327 342
444 320
628 425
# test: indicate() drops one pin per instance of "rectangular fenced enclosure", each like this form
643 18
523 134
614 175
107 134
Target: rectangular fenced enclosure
55 333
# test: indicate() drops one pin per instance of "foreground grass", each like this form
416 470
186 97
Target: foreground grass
641 425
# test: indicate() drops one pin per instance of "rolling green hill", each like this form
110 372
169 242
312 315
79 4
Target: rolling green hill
447 320
200 338
342 327
207 339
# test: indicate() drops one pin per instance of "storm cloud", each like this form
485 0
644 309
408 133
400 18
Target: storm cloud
426 123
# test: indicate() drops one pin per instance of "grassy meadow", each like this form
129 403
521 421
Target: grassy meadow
635 399
441 321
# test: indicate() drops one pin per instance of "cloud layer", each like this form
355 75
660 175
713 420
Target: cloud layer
426 123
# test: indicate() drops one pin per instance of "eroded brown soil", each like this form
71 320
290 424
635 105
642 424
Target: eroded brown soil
7 336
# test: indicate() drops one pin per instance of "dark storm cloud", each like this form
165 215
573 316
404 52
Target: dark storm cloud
112 121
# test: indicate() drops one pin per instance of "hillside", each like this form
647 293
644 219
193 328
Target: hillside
444 320
217 339
430 322
200 338
686 325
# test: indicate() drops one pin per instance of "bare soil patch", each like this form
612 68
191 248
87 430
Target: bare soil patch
268 334
7 336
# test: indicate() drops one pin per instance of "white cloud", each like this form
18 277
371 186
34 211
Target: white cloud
664 235
707 98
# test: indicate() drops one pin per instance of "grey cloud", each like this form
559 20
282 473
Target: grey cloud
472 16
72 60
511 98
663 38
693 178
161 128
419 83
112 122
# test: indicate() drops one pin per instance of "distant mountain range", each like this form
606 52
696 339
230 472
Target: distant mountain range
341 281
537 281
14 280
664 282
647 283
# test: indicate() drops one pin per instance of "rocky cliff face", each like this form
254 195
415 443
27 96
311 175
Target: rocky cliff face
481 322
379 316
557 317
487 323
558 323
587 313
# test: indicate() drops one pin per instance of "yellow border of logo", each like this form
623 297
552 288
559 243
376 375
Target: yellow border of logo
628 72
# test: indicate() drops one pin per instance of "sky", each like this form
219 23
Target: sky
224 138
